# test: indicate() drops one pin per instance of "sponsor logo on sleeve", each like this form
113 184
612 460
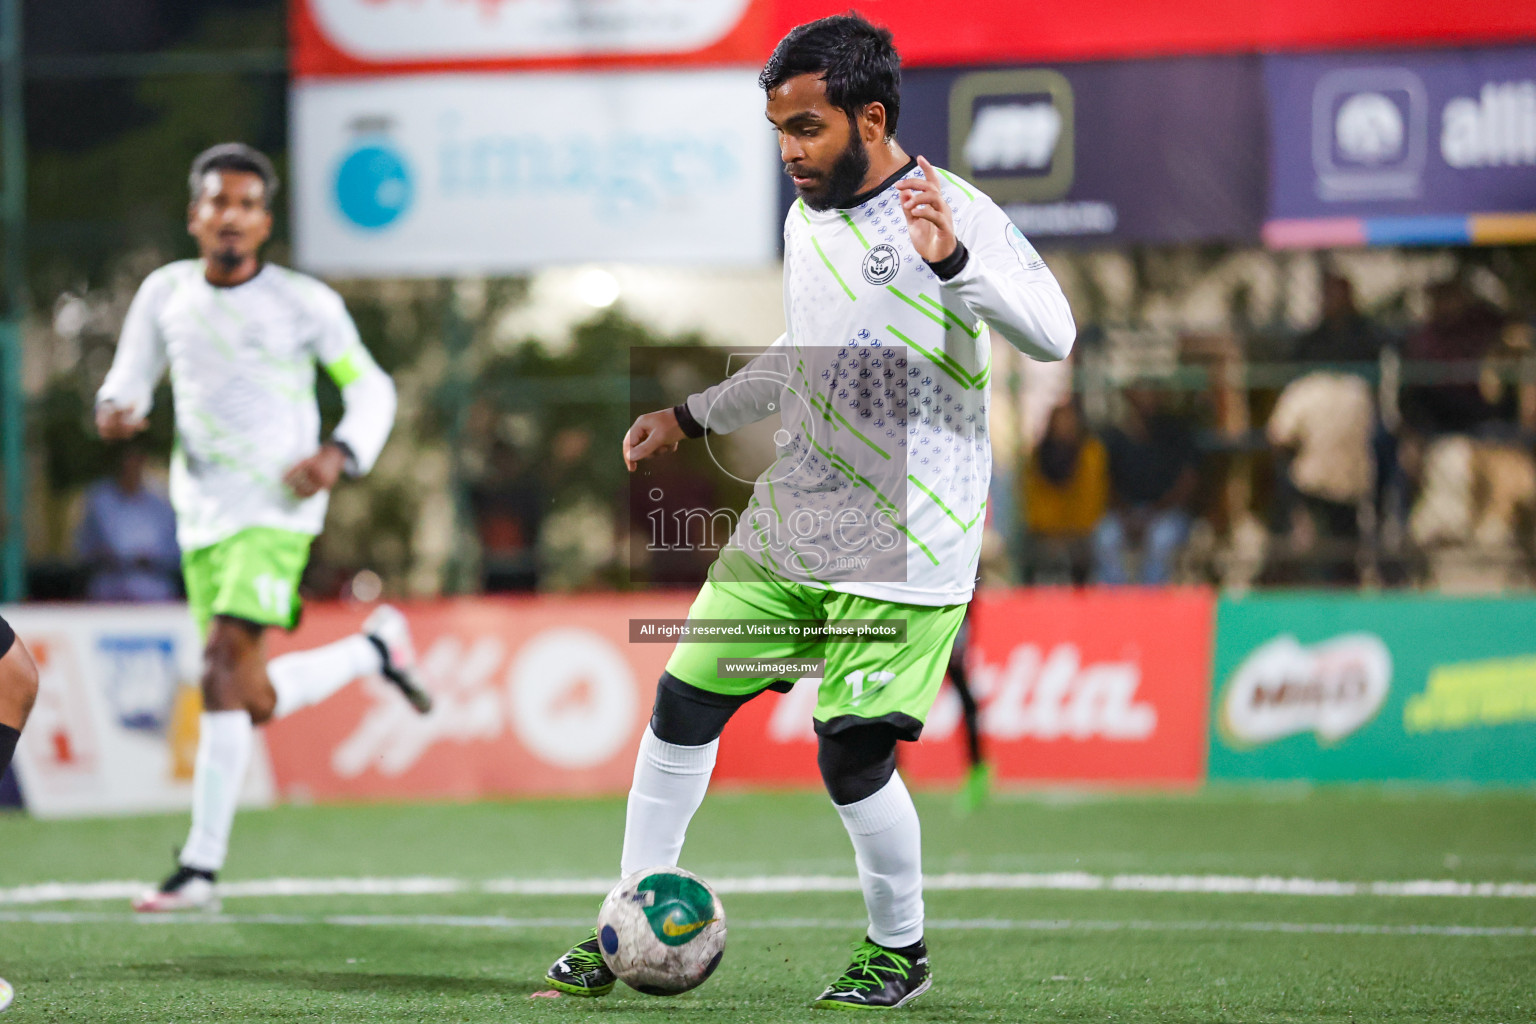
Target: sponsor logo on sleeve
1284 688
1021 247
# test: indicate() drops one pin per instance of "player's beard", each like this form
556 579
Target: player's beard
228 258
843 181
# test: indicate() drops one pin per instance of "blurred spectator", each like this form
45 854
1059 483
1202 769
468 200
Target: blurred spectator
1152 479
508 508
127 538
1344 335
1462 329
1323 426
1065 491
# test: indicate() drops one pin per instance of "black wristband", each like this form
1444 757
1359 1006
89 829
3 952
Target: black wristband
952 264
347 454
690 426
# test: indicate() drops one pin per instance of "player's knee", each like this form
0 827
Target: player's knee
221 679
261 705
685 716
857 763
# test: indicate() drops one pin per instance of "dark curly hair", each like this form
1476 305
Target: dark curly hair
856 59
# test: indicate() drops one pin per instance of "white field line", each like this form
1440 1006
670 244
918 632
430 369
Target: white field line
799 924
1069 881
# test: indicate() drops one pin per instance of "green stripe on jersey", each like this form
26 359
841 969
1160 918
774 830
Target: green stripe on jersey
956 182
856 232
843 284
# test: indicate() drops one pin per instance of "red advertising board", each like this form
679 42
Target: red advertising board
340 37
547 696
1000 31
533 696
1098 686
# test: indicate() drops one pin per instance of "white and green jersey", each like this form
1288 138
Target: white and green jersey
242 364
881 385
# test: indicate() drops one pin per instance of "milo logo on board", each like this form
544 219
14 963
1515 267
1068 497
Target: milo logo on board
1283 688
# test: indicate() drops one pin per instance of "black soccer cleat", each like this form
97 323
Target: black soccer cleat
186 889
879 978
388 631
582 972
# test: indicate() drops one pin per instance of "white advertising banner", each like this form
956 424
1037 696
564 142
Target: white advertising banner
437 175
114 730
385 30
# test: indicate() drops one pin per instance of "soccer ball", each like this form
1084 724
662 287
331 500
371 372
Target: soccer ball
662 931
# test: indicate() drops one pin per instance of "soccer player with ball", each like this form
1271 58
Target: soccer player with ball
893 272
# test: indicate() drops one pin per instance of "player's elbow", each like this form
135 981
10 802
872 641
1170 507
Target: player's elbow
1059 341
374 390
389 398
1052 344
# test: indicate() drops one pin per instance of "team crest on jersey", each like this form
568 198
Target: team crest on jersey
881 264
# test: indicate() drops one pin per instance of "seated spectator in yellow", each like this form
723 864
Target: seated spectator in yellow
1066 490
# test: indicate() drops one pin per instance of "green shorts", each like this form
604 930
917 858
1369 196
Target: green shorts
894 683
253 575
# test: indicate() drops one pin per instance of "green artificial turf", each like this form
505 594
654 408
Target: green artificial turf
999 955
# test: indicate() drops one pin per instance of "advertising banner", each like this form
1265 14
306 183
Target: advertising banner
1000 33
114 730
340 37
1140 151
1428 147
549 696
1345 687
437 175
541 696
1100 686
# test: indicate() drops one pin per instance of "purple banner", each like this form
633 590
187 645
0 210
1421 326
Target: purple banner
1417 146
1167 150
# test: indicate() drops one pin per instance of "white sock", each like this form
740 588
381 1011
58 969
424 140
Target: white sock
669 786
223 751
308 677
888 848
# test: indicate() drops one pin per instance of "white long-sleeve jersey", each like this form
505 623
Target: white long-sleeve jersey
242 364
881 385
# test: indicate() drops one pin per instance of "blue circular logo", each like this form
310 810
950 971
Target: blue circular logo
373 186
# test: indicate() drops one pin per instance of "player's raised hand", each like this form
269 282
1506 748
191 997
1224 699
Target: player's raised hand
930 221
317 473
652 433
115 423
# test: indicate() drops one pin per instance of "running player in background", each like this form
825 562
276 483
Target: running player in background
873 508
18 691
249 479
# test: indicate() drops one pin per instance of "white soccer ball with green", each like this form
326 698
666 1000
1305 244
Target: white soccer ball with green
662 931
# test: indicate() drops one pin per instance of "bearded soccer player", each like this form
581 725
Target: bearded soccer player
250 479
880 386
